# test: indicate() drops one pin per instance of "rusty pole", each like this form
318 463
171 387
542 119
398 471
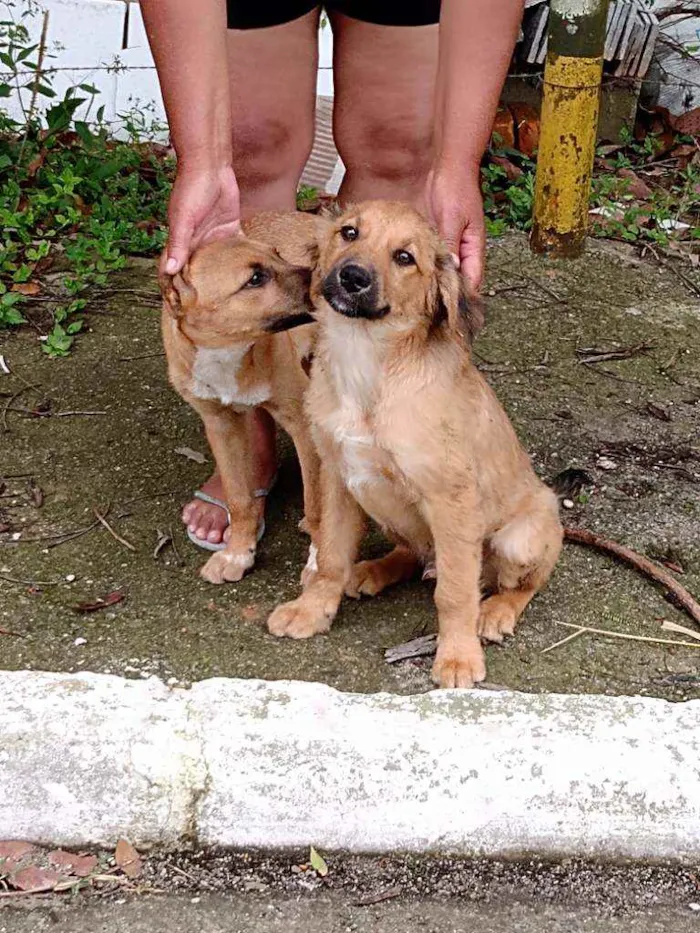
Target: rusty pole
569 125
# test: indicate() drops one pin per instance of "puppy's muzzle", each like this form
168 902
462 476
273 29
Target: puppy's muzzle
352 290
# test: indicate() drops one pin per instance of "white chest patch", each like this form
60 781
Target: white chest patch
215 375
355 373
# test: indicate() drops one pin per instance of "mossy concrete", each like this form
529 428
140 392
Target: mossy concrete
173 624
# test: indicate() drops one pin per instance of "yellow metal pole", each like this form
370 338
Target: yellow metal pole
569 124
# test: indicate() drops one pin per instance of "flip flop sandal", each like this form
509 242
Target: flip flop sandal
212 500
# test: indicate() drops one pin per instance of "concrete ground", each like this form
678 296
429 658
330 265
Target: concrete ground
219 914
243 893
632 424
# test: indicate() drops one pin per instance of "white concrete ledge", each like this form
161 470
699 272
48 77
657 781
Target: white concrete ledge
87 758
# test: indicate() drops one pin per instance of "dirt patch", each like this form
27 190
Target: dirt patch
639 414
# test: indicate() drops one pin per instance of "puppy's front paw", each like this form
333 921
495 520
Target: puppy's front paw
496 619
300 618
228 566
459 664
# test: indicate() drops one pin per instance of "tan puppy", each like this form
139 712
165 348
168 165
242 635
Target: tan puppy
226 329
410 434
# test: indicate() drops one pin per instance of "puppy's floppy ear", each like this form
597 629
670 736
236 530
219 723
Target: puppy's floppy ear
454 307
177 293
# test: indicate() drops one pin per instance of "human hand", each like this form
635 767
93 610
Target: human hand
455 204
204 206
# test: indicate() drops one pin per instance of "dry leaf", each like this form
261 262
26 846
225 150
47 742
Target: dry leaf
191 454
527 128
503 130
680 629
26 288
635 186
128 859
31 878
79 865
16 850
513 172
111 599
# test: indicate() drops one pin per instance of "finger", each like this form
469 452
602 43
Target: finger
178 247
472 254
472 267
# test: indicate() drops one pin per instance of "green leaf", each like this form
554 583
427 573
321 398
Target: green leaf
318 863
45 90
74 327
11 316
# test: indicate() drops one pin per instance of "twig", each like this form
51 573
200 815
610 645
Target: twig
563 641
35 86
642 564
140 356
19 582
548 291
372 899
163 539
612 634
6 631
174 546
44 889
103 521
13 398
590 355
416 648
69 414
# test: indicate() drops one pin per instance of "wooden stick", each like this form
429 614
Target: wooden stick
103 521
563 641
19 582
611 634
416 648
642 564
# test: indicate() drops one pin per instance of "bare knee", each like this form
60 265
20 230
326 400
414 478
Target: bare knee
385 152
270 153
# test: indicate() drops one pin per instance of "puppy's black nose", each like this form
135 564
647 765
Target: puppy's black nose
355 279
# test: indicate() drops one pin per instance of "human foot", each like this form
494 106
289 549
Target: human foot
207 521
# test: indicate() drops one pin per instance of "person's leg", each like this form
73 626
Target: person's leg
273 93
384 79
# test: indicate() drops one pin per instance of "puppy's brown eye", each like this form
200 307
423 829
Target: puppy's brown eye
349 233
257 279
403 258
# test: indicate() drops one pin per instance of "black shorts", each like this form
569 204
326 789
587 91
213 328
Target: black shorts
256 14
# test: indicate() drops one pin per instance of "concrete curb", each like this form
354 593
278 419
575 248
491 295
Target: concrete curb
87 758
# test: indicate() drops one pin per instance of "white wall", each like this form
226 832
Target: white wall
85 39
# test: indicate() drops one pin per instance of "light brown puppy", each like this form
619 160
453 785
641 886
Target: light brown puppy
226 329
410 434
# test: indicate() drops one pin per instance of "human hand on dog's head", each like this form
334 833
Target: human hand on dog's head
236 289
204 207
456 206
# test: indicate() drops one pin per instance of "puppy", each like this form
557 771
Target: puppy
226 325
410 434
